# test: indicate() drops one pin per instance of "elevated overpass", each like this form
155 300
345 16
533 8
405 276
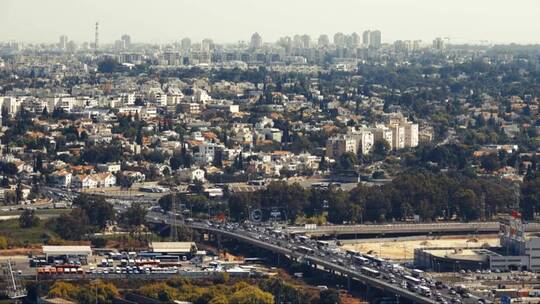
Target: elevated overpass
327 265
335 230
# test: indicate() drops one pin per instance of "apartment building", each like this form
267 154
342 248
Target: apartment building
338 145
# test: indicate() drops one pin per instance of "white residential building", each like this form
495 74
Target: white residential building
338 145
109 167
364 140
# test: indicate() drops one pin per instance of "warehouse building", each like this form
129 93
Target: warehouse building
174 248
518 251
67 253
443 259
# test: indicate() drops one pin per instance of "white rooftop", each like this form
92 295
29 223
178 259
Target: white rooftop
67 250
172 247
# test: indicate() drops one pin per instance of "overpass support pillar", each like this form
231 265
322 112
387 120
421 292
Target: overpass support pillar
218 239
348 283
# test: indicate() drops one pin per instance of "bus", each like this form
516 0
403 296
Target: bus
374 259
412 280
425 291
360 260
352 252
323 244
167 259
304 249
370 272
417 272
303 238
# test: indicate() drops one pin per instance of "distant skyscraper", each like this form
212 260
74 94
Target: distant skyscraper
297 41
71 46
339 39
127 41
355 40
366 38
286 43
185 43
207 45
323 40
416 45
256 41
438 43
375 39
306 41
62 43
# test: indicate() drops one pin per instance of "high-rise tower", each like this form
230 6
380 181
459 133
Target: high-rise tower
96 39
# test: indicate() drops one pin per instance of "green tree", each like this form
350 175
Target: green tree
109 65
329 296
3 242
28 219
135 215
124 181
530 197
219 299
166 201
490 162
99 242
97 292
18 193
38 163
99 211
347 161
73 225
469 205
61 289
251 295
381 148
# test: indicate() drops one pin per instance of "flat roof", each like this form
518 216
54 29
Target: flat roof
172 247
471 254
67 250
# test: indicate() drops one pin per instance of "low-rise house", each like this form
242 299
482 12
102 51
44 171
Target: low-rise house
109 167
61 178
84 181
192 174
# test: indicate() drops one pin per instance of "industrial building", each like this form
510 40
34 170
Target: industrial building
443 259
174 248
517 251
65 253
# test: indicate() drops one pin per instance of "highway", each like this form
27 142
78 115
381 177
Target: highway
385 275
474 227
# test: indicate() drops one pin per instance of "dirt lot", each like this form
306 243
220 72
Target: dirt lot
403 248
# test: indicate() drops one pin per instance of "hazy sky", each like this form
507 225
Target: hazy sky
234 20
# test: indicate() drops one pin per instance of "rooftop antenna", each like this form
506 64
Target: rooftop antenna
96 39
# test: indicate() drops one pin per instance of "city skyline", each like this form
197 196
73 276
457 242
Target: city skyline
237 21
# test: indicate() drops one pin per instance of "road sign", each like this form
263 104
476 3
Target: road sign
256 215
506 300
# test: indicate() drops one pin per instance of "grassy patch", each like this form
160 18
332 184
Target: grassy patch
19 237
48 212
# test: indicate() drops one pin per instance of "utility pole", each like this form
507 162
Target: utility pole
174 231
